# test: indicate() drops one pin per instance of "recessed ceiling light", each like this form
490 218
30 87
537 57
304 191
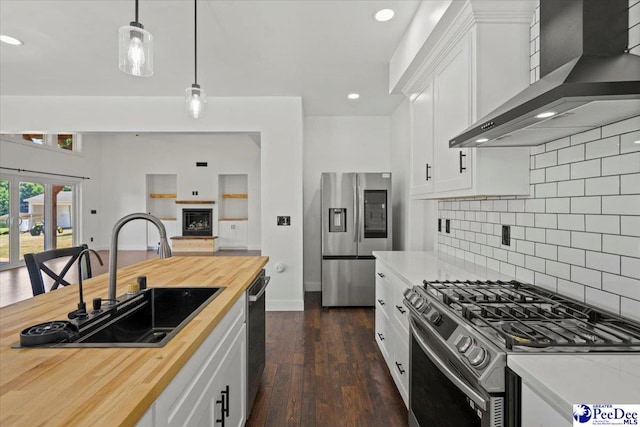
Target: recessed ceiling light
384 15
546 114
10 40
353 96
637 142
482 140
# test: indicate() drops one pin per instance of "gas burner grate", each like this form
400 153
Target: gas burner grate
523 315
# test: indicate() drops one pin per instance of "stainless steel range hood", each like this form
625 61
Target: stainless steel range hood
587 78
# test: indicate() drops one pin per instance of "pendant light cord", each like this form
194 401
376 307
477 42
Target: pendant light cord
137 11
195 40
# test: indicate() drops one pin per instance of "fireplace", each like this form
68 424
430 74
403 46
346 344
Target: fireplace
197 222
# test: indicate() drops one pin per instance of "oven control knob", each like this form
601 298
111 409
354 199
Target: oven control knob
463 343
419 303
478 357
435 317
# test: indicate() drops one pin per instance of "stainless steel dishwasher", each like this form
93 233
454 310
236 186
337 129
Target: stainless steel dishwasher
256 335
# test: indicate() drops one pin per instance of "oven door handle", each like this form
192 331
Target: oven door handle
471 393
254 298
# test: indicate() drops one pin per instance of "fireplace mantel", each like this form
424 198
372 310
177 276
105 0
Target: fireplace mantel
195 202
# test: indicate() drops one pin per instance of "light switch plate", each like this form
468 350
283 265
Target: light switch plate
284 220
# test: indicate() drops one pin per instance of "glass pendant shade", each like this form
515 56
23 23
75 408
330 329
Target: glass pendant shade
135 50
196 100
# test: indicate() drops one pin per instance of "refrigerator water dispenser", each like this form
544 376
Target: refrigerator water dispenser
337 220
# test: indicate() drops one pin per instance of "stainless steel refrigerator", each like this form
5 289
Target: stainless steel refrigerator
356 220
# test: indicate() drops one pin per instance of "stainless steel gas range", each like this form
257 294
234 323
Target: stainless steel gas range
462 333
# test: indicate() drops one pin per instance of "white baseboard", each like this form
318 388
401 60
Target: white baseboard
312 286
284 305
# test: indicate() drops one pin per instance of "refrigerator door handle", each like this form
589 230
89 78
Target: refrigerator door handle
355 211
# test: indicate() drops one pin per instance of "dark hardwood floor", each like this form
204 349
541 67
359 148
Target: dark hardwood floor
324 368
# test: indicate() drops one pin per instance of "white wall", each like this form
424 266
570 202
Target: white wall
337 144
278 120
137 156
400 154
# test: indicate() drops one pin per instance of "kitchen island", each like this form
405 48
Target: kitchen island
109 386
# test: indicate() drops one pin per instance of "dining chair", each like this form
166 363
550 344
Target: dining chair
45 263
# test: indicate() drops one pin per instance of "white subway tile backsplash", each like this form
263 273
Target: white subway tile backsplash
628 142
577 232
546 220
630 225
630 184
547 251
559 237
546 159
590 241
524 275
571 256
525 247
585 205
571 222
606 300
546 281
534 263
570 289
535 234
621 205
625 163
603 262
525 219
571 155
624 126
603 185
534 205
586 276
590 135
571 188
630 308
557 144
603 147
546 190
559 205
630 267
557 173
621 285
603 224
621 245
586 169
558 269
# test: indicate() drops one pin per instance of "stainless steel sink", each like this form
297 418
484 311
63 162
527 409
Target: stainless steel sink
149 319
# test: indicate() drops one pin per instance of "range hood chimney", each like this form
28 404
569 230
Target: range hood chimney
587 78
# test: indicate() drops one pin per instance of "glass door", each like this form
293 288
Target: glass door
35 215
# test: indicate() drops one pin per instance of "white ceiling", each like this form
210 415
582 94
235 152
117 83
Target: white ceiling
318 49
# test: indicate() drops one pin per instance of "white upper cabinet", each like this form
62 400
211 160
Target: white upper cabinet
473 61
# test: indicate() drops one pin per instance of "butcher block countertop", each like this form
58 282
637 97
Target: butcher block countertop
108 386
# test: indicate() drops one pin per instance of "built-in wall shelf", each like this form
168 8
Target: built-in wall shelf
163 195
195 202
235 196
168 218
233 219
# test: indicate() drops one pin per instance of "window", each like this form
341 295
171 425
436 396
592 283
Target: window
64 141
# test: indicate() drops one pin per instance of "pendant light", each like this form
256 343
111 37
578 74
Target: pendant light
196 98
135 49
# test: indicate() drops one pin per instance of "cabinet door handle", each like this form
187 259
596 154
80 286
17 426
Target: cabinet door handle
381 336
399 366
400 309
381 301
380 274
225 393
222 417
461 156
428 177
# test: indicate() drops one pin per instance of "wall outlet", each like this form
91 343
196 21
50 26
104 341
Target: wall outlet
506 235
284 220
194 193
92 239
93 211
439 225
447 226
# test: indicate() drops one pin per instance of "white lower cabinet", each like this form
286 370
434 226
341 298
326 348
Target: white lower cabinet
211 386
536 412
392 326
